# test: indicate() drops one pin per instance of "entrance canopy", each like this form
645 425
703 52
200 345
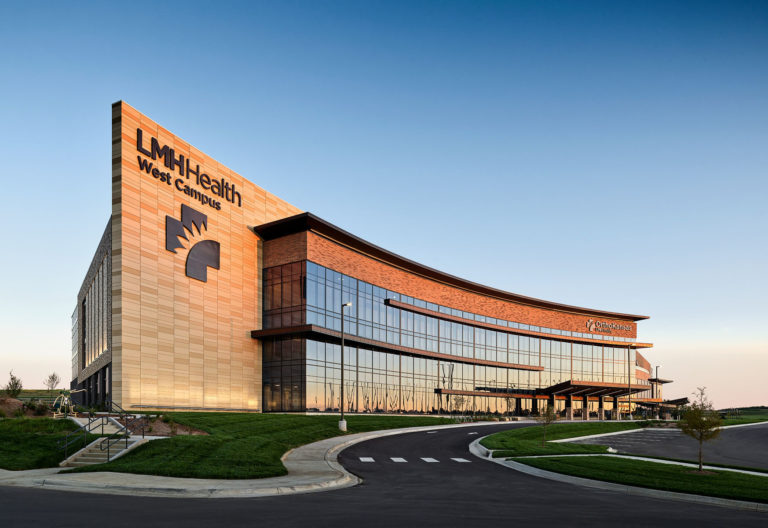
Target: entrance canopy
591 389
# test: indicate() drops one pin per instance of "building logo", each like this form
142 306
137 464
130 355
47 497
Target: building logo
605 326
202 255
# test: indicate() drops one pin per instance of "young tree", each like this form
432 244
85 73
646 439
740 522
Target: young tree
701 422
13 388
52 381
546 417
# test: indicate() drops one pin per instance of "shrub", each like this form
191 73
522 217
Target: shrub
13 388
40 408
19 412
2 413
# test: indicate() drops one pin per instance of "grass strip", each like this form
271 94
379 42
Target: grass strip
666 477
747 415
33 443
242 445
527 441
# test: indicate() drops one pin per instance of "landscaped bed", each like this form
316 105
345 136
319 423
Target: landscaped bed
240 446
725 484
527 441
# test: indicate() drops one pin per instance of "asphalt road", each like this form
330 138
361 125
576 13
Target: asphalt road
394 494
737 446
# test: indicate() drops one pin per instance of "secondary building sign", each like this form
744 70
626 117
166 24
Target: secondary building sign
607 327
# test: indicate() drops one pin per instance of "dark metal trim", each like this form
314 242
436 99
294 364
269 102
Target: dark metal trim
325 334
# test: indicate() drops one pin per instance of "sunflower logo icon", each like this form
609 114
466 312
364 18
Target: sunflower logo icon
203 254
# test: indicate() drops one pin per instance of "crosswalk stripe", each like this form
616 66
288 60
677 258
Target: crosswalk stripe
428 459
367 459
397 459
460 460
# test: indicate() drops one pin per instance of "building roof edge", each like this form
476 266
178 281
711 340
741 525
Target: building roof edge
310 222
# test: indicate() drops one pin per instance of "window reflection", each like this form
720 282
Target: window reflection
304 375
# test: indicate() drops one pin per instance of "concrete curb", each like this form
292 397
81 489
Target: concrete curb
743 425
482 452
311 468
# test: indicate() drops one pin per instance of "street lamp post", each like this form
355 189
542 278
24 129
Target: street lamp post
629 383
342 421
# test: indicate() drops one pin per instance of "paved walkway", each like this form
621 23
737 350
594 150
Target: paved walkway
313 467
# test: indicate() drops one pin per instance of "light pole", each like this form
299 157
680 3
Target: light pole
342 421
629 383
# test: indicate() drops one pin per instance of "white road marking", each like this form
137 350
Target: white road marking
367 459
460 460
473 432
431 432
397 459
428 459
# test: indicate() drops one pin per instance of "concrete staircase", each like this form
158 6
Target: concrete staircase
94 454
110 427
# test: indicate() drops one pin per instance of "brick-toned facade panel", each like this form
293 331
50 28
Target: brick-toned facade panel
285 250
345 260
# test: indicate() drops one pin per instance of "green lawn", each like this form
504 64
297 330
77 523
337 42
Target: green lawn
527 441
748 415
657 476
31 443
243 445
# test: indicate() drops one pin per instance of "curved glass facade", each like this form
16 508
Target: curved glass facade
304 374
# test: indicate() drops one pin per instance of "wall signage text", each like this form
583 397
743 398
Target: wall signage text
215 187
606 326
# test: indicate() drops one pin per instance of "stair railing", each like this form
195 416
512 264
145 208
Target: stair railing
73 437
129 425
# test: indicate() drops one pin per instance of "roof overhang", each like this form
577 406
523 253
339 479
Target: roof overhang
309 222
592 388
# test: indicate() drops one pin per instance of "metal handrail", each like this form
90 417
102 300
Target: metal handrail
125 432
74 436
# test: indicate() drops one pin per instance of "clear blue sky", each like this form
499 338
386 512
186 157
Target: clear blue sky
605 154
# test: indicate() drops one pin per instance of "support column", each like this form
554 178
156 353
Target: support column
616 413
585 408
534 406
518 407
569 407
551 401
600 408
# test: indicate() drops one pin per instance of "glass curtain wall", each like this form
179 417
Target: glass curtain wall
306 374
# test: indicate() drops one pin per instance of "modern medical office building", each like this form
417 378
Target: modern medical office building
206 292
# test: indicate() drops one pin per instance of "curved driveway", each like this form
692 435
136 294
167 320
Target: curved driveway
415 492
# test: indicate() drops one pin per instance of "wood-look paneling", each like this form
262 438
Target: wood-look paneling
179 342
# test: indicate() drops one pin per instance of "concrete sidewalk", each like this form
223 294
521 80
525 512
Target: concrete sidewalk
313 467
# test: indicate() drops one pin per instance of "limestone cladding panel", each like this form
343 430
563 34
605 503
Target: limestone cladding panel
345 260
178 342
